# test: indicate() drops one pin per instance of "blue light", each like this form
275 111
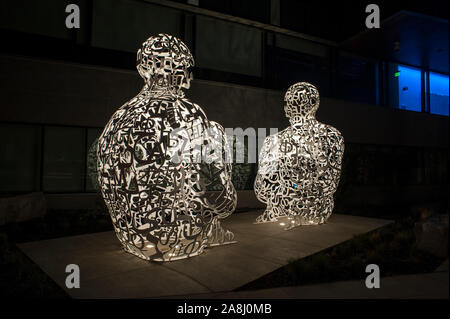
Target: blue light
409 89
439 94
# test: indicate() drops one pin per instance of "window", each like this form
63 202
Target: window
293 60
19 158
123 24
238 49
64 159
407 88
356 79
36 16
439 94
257 10
408 92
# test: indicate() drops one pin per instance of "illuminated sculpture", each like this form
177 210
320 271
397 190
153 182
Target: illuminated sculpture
149 172
299 167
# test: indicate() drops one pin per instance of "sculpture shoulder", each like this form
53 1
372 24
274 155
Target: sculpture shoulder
192 107
334 137
332 131
150 101
217 126
167 105
278 135
189 103
284 132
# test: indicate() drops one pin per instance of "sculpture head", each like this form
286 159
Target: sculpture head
302 100
164 62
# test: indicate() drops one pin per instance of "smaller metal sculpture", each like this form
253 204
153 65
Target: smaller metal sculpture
299 167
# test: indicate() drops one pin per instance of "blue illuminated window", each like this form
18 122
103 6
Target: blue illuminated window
438 94
409 88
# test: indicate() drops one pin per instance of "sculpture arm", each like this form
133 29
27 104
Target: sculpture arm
334 155
217 160
267 178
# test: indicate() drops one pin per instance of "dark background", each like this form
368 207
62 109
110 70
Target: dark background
60 86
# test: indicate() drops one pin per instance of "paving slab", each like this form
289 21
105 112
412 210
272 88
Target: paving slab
109 272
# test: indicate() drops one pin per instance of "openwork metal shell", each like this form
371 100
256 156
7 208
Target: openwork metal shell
149 172
299 167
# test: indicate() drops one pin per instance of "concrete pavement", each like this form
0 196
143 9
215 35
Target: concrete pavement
109 272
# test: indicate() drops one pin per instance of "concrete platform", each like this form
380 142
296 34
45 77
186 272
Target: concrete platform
106 271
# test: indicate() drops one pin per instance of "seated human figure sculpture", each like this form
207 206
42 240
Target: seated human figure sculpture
149 171
299 167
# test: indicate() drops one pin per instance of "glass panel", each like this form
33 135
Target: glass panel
356 80
64 159
236 50
286 67
405 88
438 93
257 10
19 158
91 158
35 16
301 45
125 24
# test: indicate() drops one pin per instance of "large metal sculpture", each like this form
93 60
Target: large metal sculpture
155 164
299 167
